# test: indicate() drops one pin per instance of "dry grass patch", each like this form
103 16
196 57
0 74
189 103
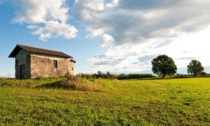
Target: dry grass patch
81 84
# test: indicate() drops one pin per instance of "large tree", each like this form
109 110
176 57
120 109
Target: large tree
163 65
195 67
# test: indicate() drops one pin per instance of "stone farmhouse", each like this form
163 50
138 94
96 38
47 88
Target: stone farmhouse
32 62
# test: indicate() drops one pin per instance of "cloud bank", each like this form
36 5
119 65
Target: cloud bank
136 31
46 18
133 32
137 20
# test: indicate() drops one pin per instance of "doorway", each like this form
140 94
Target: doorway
21 71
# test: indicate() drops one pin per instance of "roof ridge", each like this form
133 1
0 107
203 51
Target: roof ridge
39 48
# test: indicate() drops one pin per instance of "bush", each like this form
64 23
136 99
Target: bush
97 75
182 76
85 76
81 85
134 76
203 73
122 77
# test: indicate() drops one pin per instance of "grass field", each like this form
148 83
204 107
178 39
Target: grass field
127 102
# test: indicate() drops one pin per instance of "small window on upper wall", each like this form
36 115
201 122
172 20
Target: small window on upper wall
55 64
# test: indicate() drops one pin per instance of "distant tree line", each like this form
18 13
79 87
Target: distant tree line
164 65
109 75
98 75
134 76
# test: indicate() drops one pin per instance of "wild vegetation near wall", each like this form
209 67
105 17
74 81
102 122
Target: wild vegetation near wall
49 101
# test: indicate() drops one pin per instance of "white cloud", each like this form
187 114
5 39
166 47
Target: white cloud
107 40
125 58
113 3
137 29
32 26
54 29
35 11
95 5
192 46
47 18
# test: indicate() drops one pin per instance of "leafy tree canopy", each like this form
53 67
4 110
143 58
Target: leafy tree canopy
195 67
163 65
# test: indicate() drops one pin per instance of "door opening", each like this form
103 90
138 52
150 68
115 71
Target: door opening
21 71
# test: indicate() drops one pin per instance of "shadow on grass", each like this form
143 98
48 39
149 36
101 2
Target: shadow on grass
72 85
57 85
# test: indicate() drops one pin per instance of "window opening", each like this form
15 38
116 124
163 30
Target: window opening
55 64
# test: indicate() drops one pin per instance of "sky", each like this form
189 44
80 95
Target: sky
120 36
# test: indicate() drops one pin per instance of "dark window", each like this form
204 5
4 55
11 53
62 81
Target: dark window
55 64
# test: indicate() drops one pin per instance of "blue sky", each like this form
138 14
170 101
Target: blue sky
119 36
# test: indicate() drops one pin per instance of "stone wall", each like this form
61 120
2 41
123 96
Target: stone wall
42 66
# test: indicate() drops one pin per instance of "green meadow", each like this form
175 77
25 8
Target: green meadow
126 102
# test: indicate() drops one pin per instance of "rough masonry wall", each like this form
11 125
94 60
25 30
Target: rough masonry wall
43 67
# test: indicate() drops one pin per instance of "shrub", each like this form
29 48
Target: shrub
182 76
203 73
78 83
97 75
122 77
134 76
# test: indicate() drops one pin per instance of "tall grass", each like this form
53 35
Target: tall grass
127 102
68 83
81 84
28 83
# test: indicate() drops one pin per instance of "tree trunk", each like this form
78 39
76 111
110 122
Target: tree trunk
195 75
